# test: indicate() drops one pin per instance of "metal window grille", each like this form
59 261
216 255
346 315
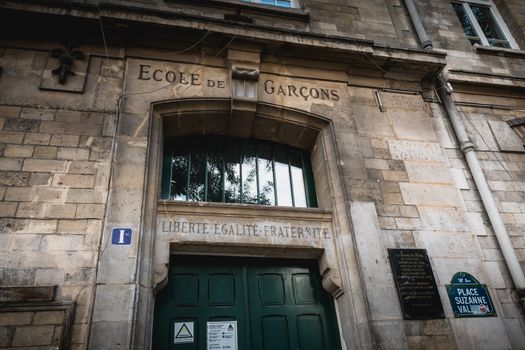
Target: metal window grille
219 169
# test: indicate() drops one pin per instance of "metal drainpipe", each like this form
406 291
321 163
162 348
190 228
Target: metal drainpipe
467 147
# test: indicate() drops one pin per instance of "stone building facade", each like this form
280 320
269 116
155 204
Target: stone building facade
410 114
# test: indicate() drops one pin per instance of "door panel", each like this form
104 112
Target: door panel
200 291
306 316
278 304
275 333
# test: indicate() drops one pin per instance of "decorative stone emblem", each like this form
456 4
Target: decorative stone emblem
65 58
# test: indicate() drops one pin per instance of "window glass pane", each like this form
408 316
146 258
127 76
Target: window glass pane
487 22
265 172
499 43
179 176
280 3
282 178
214 168
283 3
249 174
464 19
197 175
296 167
218 169
232 173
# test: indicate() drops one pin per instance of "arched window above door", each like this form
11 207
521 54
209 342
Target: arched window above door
247 171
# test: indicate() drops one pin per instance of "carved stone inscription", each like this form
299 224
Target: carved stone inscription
246 230
415 284
300 91
149 72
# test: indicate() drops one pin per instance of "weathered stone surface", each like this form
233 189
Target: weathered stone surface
428 172
378 278
480 333
448 244
430 195
33 335
15 318
415 150
506 138
410 125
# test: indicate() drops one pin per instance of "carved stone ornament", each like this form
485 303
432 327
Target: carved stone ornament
245 74
65 58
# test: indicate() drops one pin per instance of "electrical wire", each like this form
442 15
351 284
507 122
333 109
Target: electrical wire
102 32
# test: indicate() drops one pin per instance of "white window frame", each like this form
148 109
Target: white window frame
294 4
495 14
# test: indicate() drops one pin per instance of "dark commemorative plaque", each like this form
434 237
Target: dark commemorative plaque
416 286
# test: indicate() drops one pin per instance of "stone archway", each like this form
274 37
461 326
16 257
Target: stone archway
213 116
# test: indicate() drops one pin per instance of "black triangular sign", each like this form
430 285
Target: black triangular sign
184 332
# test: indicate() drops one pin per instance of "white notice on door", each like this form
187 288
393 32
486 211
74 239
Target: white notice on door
222 335
183 333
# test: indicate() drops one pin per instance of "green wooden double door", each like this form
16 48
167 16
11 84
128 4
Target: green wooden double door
277 304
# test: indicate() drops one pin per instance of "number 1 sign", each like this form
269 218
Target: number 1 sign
121 236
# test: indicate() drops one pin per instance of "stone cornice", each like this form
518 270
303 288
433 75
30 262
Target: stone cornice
335 47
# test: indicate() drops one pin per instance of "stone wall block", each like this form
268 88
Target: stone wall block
443 219
36 138
11 164
21 125
33 335
371 121
122 178
19 194
117 331
415 150
64 140
480 333
10 260
38 114
60 211
49 276
49 194
428 172
73 181
41 226
72 226
62 242
52 127
445 133
114 303
40 179
18 151
30 210
8 209
10 111
514 331
11 178
73 153
430 195
12 136
25 242
86 196
411 125
383 304
82 167
379 164
448 244
48 317
15 318
90 211
45 152
47 166
481 135
476 223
